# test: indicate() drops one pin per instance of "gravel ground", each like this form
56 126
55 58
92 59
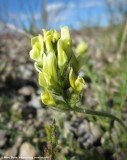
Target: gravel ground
23 116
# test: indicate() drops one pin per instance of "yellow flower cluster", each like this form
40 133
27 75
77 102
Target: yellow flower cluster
57 66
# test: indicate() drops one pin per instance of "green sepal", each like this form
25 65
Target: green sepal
74 99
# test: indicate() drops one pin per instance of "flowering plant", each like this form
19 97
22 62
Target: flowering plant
58 69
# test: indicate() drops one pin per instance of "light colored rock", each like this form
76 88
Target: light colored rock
95 130
41 114
66 129
12 152
16 108
2 138
29 131
27 151
26 91
89 134
35 102
26 71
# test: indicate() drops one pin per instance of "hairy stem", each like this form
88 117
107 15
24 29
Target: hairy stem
99 113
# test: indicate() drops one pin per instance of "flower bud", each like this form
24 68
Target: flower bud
81 47
76 83
65 34
72 78
37 50
47 98
34 40
40 39
51 65
66 41
62 57
41 80
79 84
44 33
41 42
48 43
34 53
49 68
56 36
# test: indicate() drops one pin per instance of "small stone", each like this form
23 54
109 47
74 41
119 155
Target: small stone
3 138
83 128
18 141
88 134
42 114
35 102
66 129
26 71
12 152
26 91
16 108
95 131
29 131
27 150
19 124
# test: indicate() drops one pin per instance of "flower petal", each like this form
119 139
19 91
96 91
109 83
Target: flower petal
47 98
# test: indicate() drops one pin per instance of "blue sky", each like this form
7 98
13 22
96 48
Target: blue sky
74 13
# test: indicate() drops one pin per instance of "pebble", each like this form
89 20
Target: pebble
87 133
26 71
13 151
26 91
29 131
16 108
3 138
41 114
35 102
27 150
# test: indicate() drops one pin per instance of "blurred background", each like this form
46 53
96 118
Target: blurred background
24 120
27 15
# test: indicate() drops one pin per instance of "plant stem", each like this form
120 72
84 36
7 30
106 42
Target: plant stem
99 113
65 96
